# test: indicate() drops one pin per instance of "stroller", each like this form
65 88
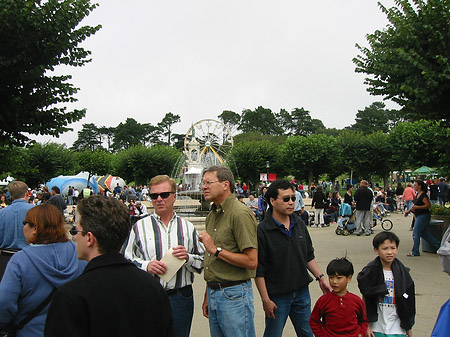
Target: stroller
346 222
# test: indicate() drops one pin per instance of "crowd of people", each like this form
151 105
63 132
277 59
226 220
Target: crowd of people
122 278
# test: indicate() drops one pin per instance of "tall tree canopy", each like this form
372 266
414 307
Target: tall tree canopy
89 138
166 125
298 122
409 61
375 118
131 133
261 120
35 37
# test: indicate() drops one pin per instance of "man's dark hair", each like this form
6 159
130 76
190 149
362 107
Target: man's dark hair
349 186
56 189
383 236
223 174
340 266
106 218
272 190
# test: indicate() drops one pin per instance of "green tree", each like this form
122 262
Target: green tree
377 152
249 160
140 163
107 134
166 125
256 136
309 157
299 122
46 161
420 143
131 133
261 120
372 119
89 138
409 61
231 119
96 162
350 144
36 36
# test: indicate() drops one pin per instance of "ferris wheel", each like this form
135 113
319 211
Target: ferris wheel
208 141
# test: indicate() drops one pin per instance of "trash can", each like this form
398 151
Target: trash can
434 228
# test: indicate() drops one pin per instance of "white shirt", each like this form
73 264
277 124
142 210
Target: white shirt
150 239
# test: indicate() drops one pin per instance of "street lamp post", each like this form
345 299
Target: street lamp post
267 167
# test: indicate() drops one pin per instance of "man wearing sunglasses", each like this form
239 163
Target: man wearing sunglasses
285 254
231 259
151 238
112 297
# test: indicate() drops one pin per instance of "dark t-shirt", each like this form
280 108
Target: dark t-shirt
419 202
58 201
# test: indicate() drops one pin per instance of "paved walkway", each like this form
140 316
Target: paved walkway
432 285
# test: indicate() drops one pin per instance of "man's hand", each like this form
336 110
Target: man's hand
369 332
180 252
208 242
157 267
205 306
325 286
269 308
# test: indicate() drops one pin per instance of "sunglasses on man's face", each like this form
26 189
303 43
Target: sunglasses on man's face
287 198
164 195
74 231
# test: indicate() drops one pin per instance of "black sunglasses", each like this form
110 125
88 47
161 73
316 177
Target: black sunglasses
164 195
74 231
27 222
287 198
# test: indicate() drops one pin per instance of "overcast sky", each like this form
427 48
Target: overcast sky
197 58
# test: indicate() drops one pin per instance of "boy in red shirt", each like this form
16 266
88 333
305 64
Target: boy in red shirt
339 313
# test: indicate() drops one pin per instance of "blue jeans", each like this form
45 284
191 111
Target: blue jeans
409 204
441 200
296 305
182 303
420 231
231 311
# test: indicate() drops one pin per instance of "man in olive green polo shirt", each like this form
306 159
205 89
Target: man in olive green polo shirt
231 258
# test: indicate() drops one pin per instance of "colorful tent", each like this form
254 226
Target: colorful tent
109 182
78 181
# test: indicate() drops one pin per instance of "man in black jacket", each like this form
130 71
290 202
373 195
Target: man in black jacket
363 198
112 297
285 254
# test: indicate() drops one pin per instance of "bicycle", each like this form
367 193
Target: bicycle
386 224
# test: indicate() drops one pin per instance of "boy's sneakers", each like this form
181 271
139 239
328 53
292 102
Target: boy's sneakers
314 226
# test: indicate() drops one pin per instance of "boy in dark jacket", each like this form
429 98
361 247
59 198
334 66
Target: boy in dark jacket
388 290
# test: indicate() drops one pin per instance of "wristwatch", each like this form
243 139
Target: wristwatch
319 277
218 251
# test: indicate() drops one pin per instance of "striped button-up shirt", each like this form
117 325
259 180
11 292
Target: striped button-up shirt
150 239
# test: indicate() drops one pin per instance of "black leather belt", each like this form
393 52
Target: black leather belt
219 285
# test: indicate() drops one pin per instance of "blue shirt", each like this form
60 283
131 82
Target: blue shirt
283 228
11 224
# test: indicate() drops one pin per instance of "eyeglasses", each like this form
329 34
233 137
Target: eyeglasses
74 231
164 195
208 183
287 198
27 222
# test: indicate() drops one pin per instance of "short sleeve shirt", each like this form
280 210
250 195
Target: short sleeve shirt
232 226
